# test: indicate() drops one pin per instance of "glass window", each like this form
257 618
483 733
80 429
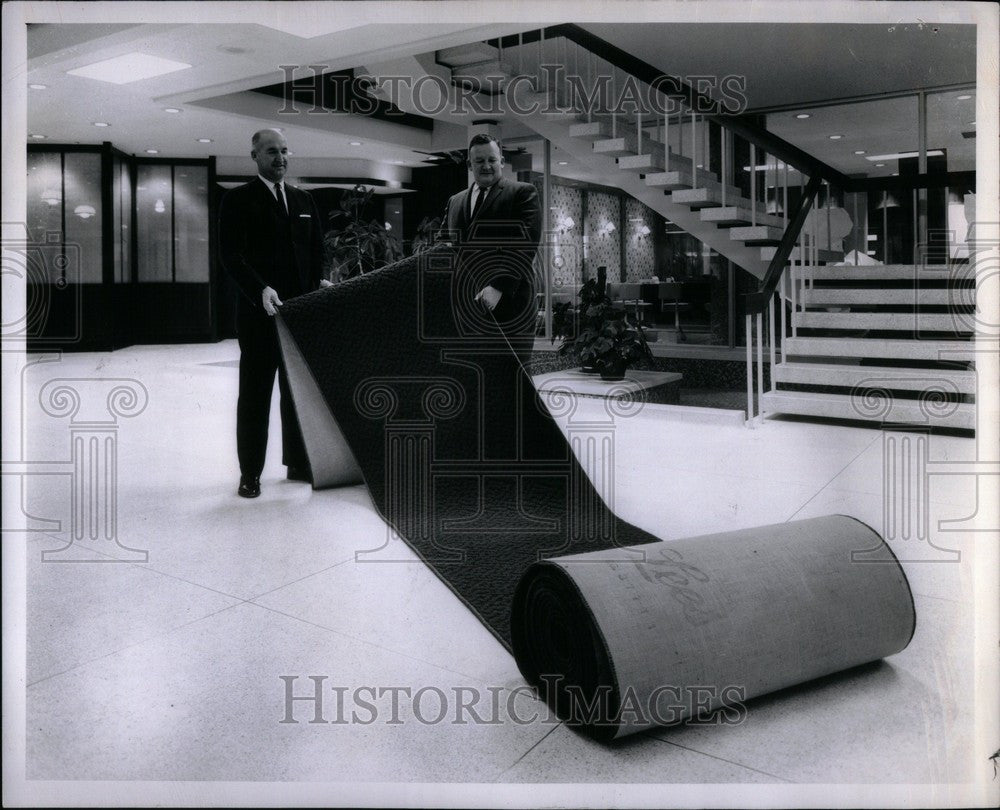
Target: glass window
122 196
44 209
154 211
83 215
191 223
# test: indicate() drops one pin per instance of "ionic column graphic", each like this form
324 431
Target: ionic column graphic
93 407
409 443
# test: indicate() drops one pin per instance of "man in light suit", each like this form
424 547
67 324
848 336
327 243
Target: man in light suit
271 242
502 219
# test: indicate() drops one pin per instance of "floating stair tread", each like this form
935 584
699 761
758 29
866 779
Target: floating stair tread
958 381
832 296
708 194
885 272
909 321
898 411
653 160
959 351
757 233
736 215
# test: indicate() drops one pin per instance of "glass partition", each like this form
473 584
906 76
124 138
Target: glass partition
190 199
154 230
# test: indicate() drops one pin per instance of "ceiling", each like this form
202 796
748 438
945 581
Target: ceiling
787 67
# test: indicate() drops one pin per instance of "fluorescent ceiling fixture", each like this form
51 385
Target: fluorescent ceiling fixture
37 137
803 115
898 155
171 110
101 124
963 97
204 140
767 167
152 151
859 151
836 137
38 86
130 67
355 143
308 26
879 165
563 162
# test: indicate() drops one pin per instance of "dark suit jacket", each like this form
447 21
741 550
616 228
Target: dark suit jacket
262 247
507 225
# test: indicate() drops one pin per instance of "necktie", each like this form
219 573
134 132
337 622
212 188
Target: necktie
281 197
482 192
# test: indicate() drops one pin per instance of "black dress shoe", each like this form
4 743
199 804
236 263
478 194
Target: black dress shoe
299 474
249 486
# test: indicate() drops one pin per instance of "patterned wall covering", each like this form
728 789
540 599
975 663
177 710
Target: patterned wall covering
567 250
603 245
640 249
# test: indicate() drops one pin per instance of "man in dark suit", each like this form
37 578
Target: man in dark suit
497 224
271 242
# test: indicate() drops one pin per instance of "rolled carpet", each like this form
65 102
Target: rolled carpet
691 625
399 377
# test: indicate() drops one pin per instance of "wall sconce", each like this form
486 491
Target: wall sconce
608 228
566 224
644 231
85 211
51 196
159 207
388 226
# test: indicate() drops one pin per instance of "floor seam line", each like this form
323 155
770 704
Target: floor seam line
722 759
834 478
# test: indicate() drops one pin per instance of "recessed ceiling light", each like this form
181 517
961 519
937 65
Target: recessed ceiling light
963 97
859 151
879 165
38 86
971 124
895 174
101 124
129 67
836 137
899 155
563 162
355 143
204 140
152 151
803 115
37 137
171 110
398 162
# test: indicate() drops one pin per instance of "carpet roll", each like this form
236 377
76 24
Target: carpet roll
622 639
402 380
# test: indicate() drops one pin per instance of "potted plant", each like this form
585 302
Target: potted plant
423 239
355 246
602 338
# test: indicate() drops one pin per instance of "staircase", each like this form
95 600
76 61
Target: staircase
886 344
881 343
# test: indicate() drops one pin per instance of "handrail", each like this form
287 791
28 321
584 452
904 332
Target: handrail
674 87
757 301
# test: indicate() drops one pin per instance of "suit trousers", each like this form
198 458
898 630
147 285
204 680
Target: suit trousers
260 358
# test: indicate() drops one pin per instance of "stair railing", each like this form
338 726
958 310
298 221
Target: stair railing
778 291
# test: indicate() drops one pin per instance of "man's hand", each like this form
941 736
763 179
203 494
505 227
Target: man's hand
323 282
271 301
489 296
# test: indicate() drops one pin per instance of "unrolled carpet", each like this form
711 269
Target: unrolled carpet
401 376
